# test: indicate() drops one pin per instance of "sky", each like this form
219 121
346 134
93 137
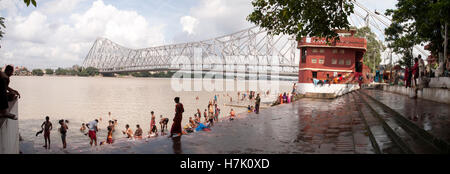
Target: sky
59 33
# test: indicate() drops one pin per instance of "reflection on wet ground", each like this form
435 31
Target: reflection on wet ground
431 116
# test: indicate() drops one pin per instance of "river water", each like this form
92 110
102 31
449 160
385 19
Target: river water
130 100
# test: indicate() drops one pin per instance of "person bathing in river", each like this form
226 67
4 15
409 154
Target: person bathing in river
109 138
110 129
205 115
176 126
63 131
163 123
138 133
216 113
232 114
83 127
128 131
93 129
47 127
153 129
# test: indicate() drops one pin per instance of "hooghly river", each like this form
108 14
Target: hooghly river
130 100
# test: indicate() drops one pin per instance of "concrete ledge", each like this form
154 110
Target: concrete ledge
433 94
440 82
325 91
320 95
9 132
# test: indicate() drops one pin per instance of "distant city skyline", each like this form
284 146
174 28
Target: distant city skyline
59 33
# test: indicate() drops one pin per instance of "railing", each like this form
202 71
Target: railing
352 42
9 131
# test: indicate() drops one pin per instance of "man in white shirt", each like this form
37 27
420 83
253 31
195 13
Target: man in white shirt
92 126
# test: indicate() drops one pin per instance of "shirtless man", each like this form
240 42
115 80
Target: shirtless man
163 123
6 93
47 127
138 133
128 131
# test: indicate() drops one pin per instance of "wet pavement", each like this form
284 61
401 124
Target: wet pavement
430 116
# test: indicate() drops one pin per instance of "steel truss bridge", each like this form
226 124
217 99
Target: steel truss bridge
249 51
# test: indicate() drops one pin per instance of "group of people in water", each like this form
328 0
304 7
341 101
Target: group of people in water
211 115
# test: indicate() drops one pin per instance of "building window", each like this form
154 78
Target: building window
313 60
314 75
304 53
348 62
335 51
334 61
342 51
321 61
341 61
315 50
322 50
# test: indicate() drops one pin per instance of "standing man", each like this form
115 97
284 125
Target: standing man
92 126
47 127
152 124
63 131
258 102
7 93
415 71
176 126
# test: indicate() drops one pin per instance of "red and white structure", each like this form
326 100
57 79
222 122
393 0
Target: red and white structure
337 61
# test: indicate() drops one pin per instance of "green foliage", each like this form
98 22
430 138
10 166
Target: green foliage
2 25
30 1
374 47
60 72
37 72
91 71
123 74
415 22
49 71
302 18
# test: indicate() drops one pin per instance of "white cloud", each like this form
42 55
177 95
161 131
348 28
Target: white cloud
60 6
216 18
36 40
188 23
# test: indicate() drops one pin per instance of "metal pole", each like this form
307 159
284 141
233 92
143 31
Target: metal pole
445 45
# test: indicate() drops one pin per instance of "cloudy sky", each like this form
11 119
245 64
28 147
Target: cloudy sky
59 33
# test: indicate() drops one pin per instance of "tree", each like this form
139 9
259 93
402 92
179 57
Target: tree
37 72
60 71
49 71
91 71
416 22
302 18
374 47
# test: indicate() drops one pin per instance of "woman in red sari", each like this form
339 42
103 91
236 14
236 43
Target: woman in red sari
176 126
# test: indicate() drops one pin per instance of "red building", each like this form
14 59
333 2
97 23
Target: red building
338 58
